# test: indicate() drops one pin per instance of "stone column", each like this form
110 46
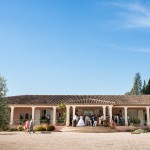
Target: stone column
110 113
33 114
12 115
67 115
54 115
147 112
126 117
74 110
104 112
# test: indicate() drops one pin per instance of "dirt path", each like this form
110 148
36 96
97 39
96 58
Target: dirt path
74 141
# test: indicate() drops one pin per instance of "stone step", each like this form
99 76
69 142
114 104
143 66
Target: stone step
89 129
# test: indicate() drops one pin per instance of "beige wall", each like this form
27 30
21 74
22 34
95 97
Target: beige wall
19 110
97 110
117 111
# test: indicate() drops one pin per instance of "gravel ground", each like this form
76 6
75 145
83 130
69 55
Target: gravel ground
74 141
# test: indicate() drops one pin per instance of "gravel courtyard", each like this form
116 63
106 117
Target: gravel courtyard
74 141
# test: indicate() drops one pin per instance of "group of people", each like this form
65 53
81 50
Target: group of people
88 120
29 126
119 120
47 118
93 120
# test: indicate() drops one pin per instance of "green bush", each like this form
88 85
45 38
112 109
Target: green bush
135 121
44 127
43 120
106 123
122 122
74 123
5 128
39 128
138 131
51 127
147 129
9 128
47 127
13 129
20 128
61 120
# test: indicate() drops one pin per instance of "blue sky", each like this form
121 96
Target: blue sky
74 47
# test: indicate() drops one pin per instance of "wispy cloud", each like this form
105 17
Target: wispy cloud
134 14
110 45
124 48
142 50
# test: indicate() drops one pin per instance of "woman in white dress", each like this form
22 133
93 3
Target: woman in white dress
81 122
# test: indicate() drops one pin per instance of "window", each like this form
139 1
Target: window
88 112
27 116
21 116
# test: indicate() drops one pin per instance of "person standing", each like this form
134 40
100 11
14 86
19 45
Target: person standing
48 119
87 118
95 121
129 121
27 126
81 121
74 120
102 119
117 117
31 126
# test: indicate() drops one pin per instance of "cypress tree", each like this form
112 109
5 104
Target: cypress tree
4 115
137 86
148 87
144 88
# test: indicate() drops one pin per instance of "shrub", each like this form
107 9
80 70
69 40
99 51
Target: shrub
44 127
43 120
122 122
47 127
147 129
13 129
61 120
20 128
135 121
51 127
106 123
62 107
39 128
112 125
5 128
138 131
74 123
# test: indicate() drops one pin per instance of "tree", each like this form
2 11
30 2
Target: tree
128 93
137 85
144 88
4 115
62 117
148 87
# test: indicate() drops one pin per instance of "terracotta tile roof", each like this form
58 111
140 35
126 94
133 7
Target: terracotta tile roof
116 100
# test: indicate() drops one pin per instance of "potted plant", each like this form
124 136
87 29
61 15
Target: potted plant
74 123
105 123
62 118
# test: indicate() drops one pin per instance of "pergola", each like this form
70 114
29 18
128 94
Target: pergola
74 101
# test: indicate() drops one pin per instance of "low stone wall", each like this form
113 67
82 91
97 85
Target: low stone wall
128 128
58 128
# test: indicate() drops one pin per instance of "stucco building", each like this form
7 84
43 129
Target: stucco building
37 106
